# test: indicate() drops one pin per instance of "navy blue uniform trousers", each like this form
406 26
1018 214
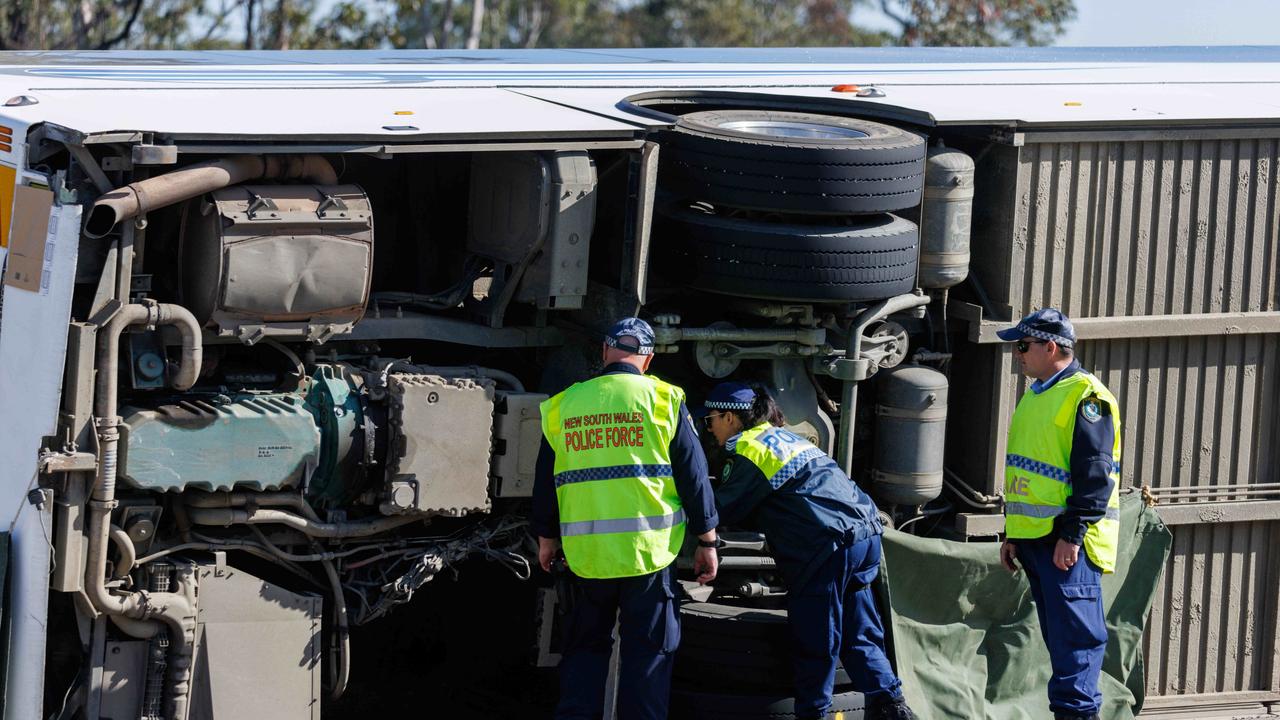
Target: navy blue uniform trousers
833 616
1072 621
649 629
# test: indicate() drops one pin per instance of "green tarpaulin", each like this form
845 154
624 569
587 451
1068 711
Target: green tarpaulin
966 638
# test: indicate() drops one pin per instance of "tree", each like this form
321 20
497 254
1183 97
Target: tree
979 22
448 24
67 24
745 23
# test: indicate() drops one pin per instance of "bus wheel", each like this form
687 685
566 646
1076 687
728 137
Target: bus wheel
793 162
740 647
862 258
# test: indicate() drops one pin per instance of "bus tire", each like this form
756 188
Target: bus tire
870 258
794 162
737 647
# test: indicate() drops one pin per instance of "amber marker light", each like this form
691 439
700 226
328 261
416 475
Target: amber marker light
404 112
846 88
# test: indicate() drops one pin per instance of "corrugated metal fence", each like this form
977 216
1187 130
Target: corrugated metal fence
1165 248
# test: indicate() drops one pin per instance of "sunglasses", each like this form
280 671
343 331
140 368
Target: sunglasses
1022 346
706 419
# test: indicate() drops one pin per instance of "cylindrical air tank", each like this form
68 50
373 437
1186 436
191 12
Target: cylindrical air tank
944 217
911 424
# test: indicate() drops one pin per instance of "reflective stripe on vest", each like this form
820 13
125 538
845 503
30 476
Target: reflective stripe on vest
1048 511
778 453
1038 462
640 524
620 515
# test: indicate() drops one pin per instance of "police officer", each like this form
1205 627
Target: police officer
825 536
1062 495
620 478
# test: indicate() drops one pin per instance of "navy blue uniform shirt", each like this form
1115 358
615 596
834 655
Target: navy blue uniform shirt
688 467
805 520
1091 463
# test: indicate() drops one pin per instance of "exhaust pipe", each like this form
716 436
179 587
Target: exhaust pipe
139 610
164 190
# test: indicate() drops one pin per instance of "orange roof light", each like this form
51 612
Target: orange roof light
846 88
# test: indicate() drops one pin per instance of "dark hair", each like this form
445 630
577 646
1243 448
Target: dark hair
763 409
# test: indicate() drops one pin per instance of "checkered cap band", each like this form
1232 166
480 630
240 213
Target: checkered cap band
727 405
1032 332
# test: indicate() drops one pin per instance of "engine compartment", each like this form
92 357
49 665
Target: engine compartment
319 375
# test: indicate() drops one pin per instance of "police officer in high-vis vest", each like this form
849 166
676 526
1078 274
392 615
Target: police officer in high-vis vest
824 533
1062 504
620 480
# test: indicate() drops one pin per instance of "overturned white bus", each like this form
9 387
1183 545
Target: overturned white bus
275 328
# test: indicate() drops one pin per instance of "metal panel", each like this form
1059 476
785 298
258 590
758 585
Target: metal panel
1136 229
1198 412
1197 641
1130 231
258 649
1146 228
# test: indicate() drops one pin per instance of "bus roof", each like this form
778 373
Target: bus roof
380 94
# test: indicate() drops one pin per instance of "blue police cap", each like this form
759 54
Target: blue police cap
1045 324
632 335
730 396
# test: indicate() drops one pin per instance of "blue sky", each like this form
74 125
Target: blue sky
1161 22
1174 22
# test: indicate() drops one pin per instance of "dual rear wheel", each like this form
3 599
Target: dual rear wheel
792 206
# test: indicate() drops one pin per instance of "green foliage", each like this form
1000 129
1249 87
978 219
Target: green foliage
315 24
979 22
742 23
67 24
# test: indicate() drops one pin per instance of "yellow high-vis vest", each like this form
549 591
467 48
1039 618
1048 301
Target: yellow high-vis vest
620 515
1038 465
778 453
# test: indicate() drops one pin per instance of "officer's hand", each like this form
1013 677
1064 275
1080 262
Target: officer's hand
1065 555
1009 556
705 564
547 549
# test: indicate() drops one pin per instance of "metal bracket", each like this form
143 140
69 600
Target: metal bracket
331 201
847 370
315 333
259 203
57 462
91 168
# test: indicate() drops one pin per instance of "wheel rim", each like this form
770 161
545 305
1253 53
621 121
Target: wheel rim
792 129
